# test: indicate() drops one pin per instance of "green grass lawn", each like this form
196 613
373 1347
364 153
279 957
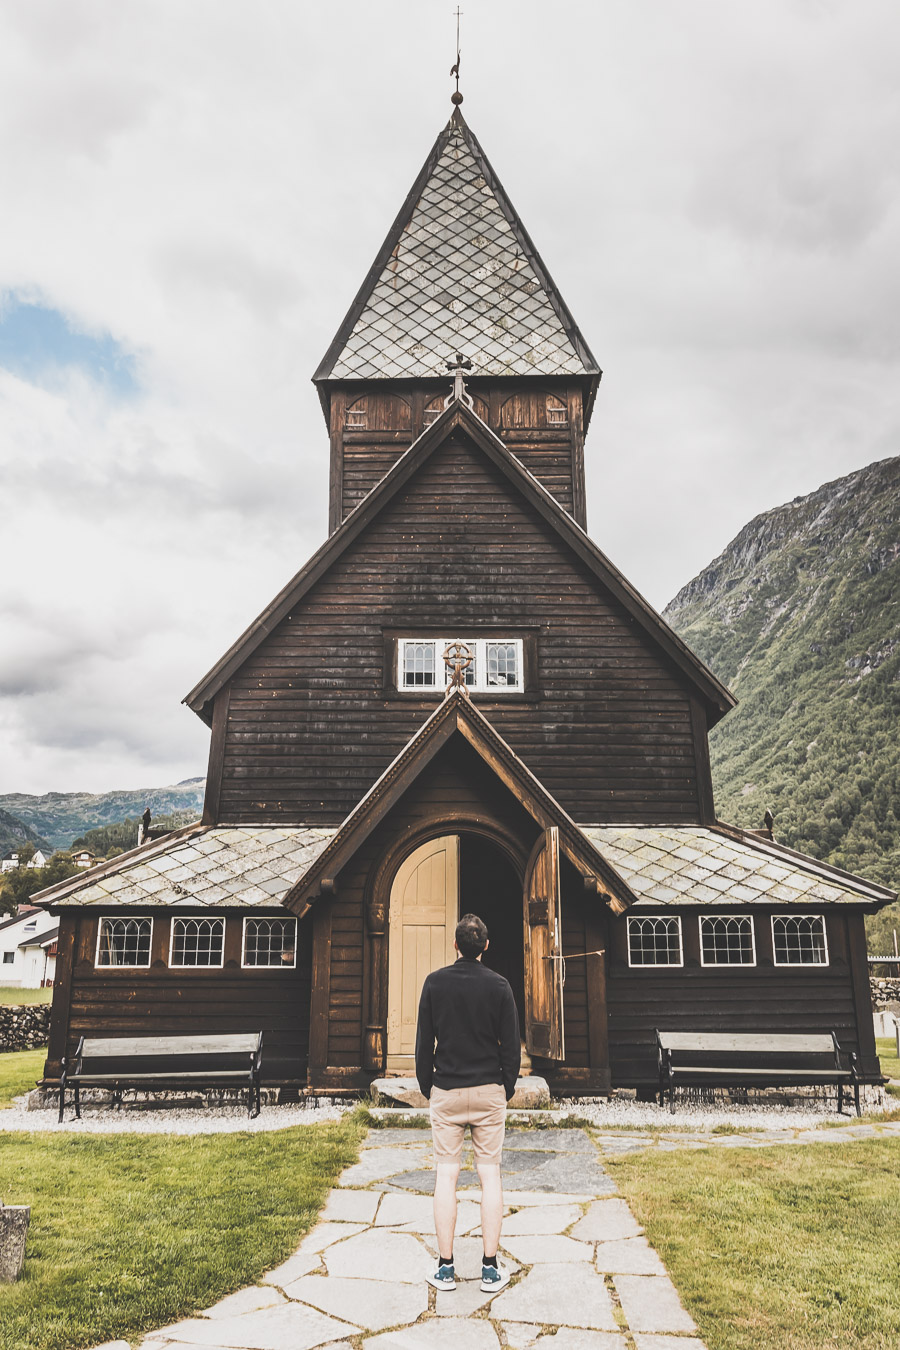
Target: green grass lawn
19 1072
790 1248
887 1054
21 996
131 1232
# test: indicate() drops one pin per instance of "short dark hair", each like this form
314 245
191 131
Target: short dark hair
471 935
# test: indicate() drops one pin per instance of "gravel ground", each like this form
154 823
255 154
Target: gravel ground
191 1120
617 1114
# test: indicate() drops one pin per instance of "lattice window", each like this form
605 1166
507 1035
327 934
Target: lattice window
270 942
356 416
495 664
799 940
727 940
654 942
557 412
197 942
124 942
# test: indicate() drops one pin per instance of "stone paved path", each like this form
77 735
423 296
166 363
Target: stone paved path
585 1277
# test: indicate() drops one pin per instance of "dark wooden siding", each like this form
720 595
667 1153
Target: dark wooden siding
761 998
311 723
187 1002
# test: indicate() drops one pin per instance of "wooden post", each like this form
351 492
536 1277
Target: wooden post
62 994
596 938
375 1034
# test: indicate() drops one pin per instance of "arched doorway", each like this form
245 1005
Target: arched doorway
441 879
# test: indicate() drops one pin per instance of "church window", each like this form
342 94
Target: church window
197 942
270 942
124 942
654 942
496 664
727 940
799 940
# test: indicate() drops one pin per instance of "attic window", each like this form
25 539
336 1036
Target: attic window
799 940
270 942
197 942
654 942
496 665
557 412
727 941
124 942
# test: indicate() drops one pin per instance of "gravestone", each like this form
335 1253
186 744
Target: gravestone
13 1230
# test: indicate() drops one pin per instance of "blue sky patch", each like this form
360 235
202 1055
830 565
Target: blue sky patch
38 343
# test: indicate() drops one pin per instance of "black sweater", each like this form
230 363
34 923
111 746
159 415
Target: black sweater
471 1013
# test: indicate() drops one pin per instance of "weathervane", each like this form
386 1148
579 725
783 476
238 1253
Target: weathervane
456 369
456 98
458 656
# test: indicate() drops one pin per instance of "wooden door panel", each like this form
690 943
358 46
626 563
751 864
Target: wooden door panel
423 915
544 1030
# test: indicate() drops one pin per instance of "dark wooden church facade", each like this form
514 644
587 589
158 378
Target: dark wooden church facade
560 787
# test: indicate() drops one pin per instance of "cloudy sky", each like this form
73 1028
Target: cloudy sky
193 191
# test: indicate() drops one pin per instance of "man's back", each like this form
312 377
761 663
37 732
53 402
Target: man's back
471 1013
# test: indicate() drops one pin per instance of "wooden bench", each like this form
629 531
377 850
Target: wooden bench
119 1062
704 1059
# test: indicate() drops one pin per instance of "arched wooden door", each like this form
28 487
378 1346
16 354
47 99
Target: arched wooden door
424 911
544 1032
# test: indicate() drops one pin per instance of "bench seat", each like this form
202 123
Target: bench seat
145 1061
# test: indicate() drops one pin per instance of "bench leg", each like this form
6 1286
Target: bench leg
840 1099
77 1101
856 1098
62 1099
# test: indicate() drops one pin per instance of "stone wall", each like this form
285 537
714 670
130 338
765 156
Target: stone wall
24 1028
885 992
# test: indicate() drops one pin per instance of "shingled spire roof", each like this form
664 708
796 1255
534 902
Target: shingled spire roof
457 273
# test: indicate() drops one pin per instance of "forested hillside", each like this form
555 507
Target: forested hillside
61 817
14 833
800 617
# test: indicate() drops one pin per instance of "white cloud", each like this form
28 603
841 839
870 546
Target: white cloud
713 187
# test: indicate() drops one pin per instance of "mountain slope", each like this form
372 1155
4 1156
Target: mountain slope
61 816
800 617
14 833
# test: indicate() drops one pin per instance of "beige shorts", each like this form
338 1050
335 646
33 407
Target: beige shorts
484 1108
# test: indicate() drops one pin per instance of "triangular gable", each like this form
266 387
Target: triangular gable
457 715
716 697
457 273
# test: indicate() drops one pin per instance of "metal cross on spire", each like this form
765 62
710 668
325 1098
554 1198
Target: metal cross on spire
456 369
457 97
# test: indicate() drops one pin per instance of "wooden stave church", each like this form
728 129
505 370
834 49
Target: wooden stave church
566 809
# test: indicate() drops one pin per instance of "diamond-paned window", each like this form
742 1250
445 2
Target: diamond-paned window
197 942
654 941
497 664
727 940
799 940
270 942
124 942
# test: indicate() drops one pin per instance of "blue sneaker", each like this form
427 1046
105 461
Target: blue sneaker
444 1278
494 1278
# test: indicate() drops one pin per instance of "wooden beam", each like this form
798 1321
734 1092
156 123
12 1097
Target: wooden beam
216 757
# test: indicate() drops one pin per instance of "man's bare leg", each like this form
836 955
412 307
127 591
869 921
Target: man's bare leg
491 1205
446 1177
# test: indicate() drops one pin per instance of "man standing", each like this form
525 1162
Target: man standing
468 1076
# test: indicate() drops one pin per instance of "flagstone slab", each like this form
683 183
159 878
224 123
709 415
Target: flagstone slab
377 1163
246 1300
647 1341
555 1141
377 1255
630 1256
521 1335
607 1221
540 1219
415 1214
301 1263
467 1254
290 1327
546 1248
578 1338
464 1301
651 1303
439 1333
373 1304
346 1206
324 1234
515 1199
574 1295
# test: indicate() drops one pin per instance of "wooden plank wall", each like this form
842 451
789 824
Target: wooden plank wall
311 724
759 998
160 1000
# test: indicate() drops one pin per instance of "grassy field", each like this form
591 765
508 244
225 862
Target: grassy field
20 996
130 1232
887 1054
791 1248
19 1072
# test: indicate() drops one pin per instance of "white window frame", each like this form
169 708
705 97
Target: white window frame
116 918
728 965
801 965
655 918
195 918
480 645
266 918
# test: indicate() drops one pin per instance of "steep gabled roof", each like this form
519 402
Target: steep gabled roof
457 715
458 417
457 273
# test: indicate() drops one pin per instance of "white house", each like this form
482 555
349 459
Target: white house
38 860
27 949
9 862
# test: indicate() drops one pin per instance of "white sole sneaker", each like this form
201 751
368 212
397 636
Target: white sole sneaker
493 1286
445 1286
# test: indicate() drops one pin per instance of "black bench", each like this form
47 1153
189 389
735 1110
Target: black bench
119 1062
706 1059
